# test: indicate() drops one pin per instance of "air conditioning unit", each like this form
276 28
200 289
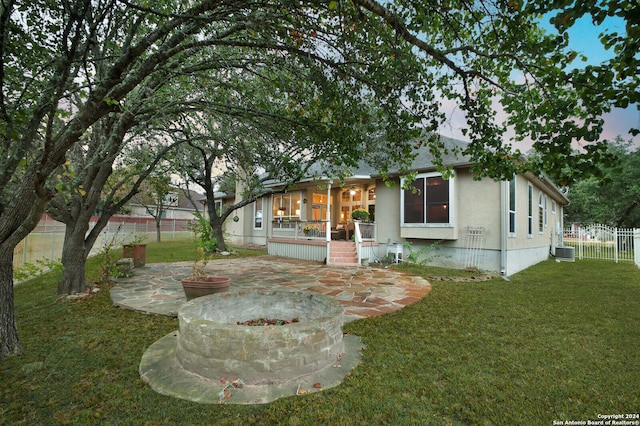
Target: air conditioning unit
566 254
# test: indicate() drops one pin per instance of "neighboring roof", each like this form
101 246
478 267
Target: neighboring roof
183 202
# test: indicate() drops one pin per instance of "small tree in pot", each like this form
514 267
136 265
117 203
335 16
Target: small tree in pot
200 284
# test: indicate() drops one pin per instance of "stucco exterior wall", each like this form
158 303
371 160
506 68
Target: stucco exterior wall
475 204
478 207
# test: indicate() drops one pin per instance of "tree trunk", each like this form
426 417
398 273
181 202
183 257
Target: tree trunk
216 226
158 222
9 342
74 259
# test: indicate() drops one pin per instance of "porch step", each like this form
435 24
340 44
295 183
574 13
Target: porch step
343 253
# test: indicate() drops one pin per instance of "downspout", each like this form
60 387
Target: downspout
503 228
328 225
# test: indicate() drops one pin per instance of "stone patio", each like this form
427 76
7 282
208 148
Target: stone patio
362 291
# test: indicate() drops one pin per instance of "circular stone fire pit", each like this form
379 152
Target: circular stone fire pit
270 361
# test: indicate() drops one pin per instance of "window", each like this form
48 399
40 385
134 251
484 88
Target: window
553 206
427 200
257 214
286 209
218 206
541 213
319 207
546 211
351 199
530 211
512 207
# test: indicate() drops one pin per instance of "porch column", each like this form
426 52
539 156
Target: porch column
328 231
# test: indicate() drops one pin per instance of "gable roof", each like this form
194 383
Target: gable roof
424 160
366 168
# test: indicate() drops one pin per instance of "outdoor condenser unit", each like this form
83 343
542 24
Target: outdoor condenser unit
566 254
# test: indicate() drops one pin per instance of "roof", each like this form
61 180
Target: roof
367 168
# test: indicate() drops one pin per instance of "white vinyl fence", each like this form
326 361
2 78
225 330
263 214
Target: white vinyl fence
45 242
604 242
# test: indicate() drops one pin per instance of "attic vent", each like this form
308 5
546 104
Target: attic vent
566 253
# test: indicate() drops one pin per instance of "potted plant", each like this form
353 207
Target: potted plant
136 250
311 230
360 214
200 283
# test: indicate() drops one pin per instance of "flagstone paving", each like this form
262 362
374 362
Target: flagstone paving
362 291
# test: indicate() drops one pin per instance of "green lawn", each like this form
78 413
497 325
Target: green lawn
557 342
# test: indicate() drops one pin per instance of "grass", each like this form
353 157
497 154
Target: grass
557 342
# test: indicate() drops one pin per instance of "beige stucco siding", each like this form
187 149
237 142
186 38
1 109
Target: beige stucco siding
522 239
388 211
478 206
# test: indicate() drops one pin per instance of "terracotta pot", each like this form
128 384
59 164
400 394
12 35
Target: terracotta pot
137 251
201 286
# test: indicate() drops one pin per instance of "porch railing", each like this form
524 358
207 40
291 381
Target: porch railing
317 230
300 229
363 231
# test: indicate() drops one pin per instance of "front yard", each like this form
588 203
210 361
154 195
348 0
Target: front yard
557 342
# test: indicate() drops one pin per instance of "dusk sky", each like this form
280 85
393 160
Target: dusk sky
583 39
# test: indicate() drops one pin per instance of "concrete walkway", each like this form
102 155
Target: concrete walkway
362 291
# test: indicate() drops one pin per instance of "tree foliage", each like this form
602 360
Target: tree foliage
335 77
611 200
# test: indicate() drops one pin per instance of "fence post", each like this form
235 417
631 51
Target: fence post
636 246
580 242
615 245
25 249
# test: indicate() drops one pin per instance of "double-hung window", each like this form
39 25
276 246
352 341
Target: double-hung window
530 211
427 201
257 214
541 213
512 207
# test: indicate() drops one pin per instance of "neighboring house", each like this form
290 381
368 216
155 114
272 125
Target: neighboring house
503 227
176 204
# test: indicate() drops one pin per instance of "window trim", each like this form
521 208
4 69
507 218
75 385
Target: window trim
451 207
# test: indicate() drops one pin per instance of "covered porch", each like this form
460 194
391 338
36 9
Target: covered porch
305 223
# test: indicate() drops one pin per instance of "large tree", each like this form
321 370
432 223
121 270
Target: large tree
613 199
403 56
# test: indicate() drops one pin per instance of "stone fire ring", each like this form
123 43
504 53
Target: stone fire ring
271 361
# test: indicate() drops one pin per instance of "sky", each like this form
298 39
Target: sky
583 37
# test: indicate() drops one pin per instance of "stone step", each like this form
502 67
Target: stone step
344 262
343 253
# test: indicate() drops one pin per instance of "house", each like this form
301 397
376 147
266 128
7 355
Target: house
457 222
175 205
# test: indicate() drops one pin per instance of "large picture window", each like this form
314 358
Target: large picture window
427 200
